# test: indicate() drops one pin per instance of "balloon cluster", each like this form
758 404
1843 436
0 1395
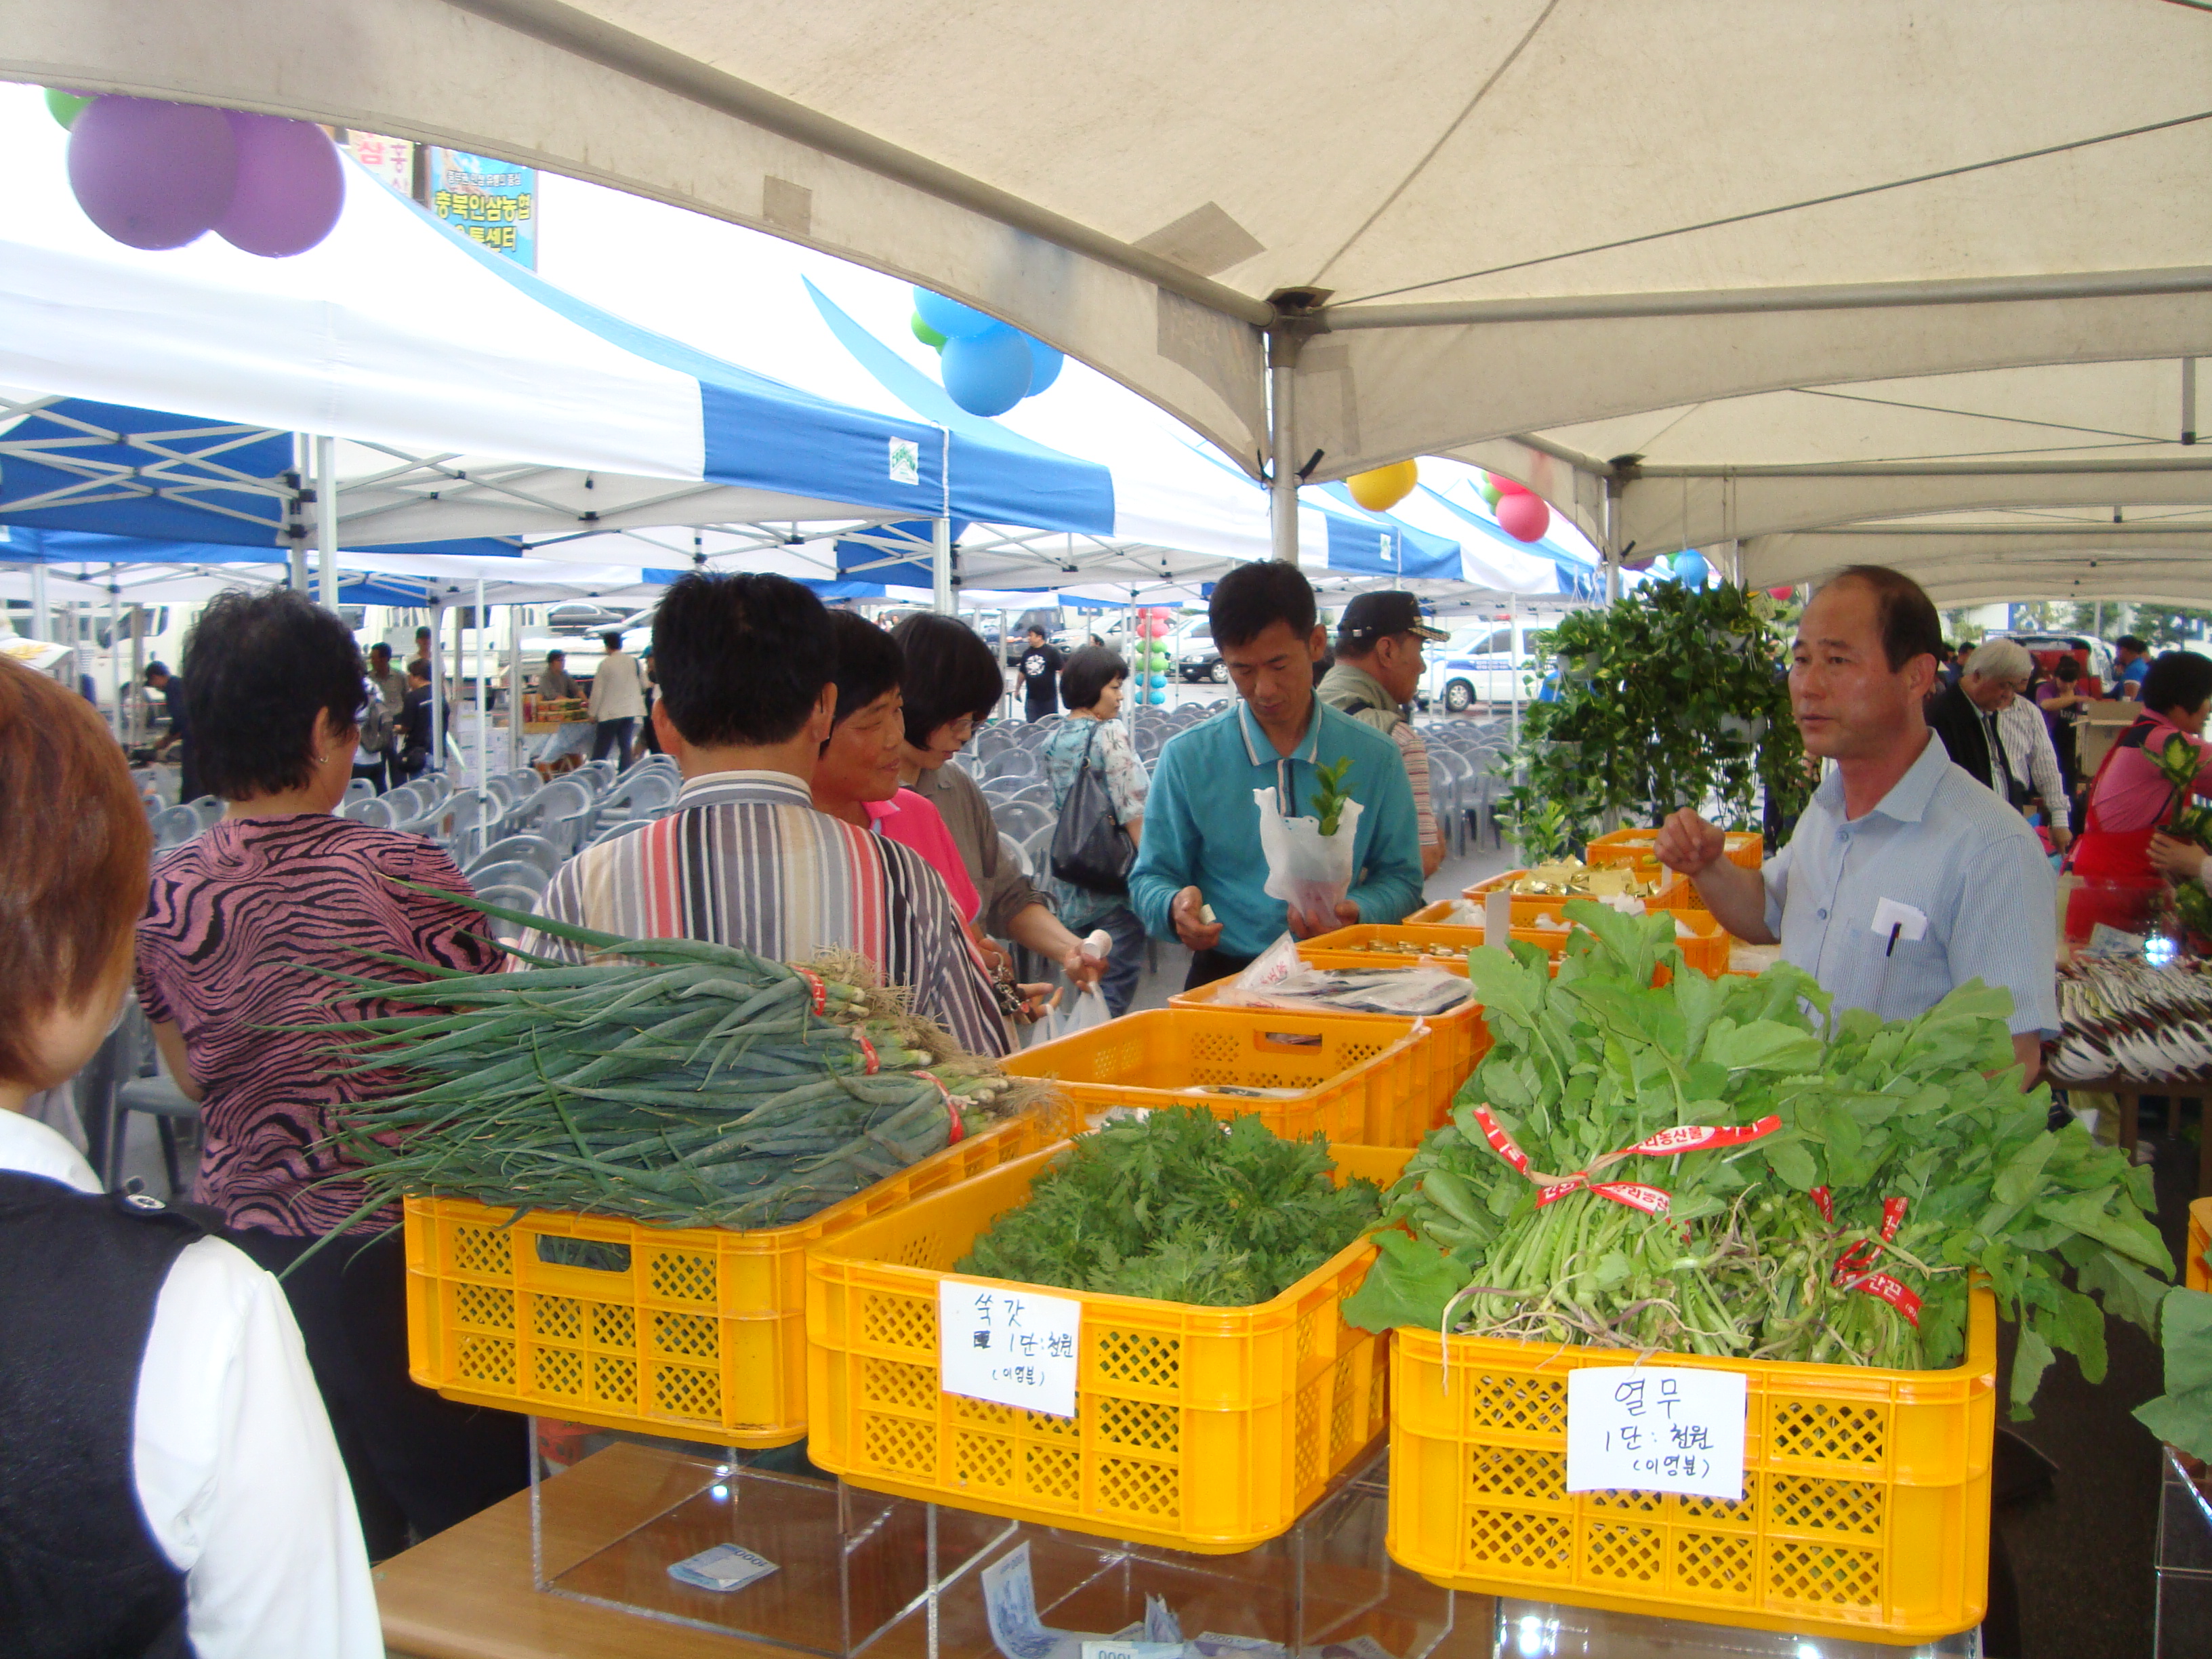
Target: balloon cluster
1154 623
988 365
158 175
1521 514
1384 487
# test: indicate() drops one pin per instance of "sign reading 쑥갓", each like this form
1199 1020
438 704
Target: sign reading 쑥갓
1012 1347
489 201
1647 1428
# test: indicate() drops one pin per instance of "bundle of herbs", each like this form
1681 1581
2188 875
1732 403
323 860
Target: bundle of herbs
1177 1205
669 1080
1700 1167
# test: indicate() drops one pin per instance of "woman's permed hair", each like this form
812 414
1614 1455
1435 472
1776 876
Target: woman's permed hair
1088 673
259 668
74 851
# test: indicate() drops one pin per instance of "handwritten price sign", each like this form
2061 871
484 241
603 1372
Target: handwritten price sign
1647 1428
1012 1347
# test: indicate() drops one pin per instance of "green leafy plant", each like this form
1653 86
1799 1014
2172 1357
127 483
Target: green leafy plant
1904 1149
1179 1206
2182 1416
1329 798
1675 697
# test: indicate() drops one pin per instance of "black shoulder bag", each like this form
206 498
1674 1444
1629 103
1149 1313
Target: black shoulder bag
1090 848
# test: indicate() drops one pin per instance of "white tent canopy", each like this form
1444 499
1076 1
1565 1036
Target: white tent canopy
1574 212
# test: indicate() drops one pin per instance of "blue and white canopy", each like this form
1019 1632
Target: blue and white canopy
473 398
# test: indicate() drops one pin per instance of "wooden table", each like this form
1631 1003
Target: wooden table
2127 1092
467 1593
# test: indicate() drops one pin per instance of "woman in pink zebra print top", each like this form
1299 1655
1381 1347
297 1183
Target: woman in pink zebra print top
236 922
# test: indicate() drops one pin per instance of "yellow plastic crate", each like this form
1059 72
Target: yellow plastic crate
2196 1266
1865 1513
1200 1429
701 1336
1361 1080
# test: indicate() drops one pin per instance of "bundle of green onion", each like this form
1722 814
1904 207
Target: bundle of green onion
671 1080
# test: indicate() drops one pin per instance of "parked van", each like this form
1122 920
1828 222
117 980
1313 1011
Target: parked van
1483 662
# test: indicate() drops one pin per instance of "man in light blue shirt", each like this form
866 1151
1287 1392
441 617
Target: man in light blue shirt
1904 877
1202 847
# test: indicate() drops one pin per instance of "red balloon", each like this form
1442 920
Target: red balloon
1523 517
291 186
1507 487
151 174
1779 592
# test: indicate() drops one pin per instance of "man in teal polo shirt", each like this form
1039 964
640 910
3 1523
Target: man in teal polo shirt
1201 848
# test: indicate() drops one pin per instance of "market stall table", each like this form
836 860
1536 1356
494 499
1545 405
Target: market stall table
2128 1091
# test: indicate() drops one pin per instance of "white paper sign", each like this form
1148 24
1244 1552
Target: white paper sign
1012 1347
1910 924
1648 1428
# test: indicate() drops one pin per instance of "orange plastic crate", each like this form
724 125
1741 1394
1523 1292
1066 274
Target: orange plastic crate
1865 1513
1360 1079
1200 1429
1634 847
700 1335
1705 948
2196 1266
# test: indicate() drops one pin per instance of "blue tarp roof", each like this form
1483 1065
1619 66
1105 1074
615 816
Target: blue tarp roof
32 544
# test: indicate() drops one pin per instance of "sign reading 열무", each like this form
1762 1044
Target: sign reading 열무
1011 1347
489 201
1648 1428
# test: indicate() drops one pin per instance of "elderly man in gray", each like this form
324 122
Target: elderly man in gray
1990 727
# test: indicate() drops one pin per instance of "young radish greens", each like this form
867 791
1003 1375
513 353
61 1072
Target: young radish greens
671 1080
1177 1205
1866 1174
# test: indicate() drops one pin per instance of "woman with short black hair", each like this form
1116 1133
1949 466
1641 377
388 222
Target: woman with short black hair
1092 682
2121 853
239 922
952 685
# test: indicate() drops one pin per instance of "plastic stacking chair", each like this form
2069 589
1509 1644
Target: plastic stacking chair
374 810
532 849
174 826
1022 818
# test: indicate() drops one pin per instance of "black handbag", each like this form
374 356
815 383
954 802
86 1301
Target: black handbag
1090 848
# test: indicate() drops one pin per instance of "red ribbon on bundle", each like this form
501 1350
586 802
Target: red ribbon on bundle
875 1064
821 991
1851 1269
951 1111
1668 1143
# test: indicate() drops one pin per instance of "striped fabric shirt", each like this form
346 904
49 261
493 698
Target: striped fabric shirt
745 859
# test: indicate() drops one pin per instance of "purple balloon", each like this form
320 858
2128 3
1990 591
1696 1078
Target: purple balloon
151 174
291 186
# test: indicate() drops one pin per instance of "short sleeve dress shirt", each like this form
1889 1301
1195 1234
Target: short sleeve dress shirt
1942 845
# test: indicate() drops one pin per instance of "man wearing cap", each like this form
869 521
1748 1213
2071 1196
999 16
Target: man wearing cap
1377 671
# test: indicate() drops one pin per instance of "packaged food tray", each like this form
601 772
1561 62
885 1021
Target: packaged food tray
1634 847
1355 1078
1705 947
692 1332
1201 1428
1865 1513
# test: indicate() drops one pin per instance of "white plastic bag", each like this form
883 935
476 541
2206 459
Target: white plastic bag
1078 1011
1310 872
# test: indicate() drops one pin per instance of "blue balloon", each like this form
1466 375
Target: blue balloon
1044 364
1156 696
1690 567
987 374
950 318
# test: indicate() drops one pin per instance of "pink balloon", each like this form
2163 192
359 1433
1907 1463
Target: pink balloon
151 174
1523 517
1779 592
291 186
1507 487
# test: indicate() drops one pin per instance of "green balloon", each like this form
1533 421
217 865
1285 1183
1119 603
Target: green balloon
922 332
1490 495
65 106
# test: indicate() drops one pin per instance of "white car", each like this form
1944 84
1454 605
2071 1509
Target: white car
1485 662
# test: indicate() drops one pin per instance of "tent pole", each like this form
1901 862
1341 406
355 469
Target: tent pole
1611 539
437 689
513 687
1282 438
134 734
115 646
484 694
38 619
295 532
326 520
940 568
1514 655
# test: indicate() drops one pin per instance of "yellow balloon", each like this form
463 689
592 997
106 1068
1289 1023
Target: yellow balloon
1384 487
